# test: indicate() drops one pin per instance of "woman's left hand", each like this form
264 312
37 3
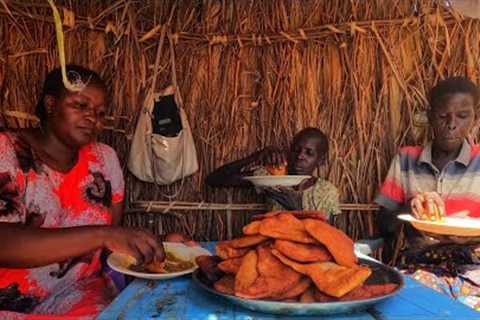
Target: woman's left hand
180 237
288 198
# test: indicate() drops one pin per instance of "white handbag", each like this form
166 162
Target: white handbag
160 159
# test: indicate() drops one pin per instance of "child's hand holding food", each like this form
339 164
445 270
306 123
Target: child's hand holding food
428 206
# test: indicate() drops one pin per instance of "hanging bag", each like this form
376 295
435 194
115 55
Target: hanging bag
163 150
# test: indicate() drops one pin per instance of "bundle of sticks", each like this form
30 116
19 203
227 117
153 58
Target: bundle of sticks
292 257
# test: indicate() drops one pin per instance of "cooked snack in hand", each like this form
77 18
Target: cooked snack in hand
329 277
225 285
252 228
303 252
230 265
225 251
246 241
428 206
247 273
336 241
285 226
279 170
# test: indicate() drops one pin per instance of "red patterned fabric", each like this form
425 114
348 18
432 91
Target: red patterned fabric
32 193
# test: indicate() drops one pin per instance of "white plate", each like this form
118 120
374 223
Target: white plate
274 181
465 227
120 262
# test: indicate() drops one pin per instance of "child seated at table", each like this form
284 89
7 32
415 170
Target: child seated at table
309 149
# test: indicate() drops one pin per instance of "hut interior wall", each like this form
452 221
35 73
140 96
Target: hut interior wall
251 74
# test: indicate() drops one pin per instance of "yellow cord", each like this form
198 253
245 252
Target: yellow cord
77 85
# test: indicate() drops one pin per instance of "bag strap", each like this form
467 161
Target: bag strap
178 99
157 59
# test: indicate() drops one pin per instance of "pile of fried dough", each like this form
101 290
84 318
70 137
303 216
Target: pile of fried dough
292 257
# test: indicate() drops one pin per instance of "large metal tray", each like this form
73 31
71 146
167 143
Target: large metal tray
381 274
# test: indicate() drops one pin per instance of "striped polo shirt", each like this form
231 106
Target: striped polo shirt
412 172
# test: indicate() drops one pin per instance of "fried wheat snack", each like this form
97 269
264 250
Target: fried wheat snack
329 277
303 252
286 227
251 228
225 285
337 242
225 251
299 288
230 265
274 277
247 273
247 241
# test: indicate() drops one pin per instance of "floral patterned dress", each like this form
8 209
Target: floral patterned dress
31 193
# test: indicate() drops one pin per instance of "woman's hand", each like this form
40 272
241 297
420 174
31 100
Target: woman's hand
180 237
428 206
140 244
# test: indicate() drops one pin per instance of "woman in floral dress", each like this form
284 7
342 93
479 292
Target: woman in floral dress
60 192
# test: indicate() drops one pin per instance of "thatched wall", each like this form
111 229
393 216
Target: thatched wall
251 74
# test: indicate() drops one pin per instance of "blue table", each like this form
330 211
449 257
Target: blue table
180 298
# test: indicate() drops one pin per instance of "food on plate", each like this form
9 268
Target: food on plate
247 273
252 228
277 170
290 257
230 265
298 289
225 251
285 226
247 241
428 206
329 277
226 284
335 240
274 277
171 264
302 252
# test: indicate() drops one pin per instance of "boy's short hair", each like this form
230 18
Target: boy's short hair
451 86
314 133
